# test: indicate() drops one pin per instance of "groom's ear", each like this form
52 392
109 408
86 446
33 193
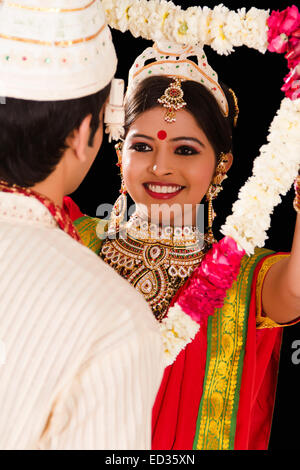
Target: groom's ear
78 140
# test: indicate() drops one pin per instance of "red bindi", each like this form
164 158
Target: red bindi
162 135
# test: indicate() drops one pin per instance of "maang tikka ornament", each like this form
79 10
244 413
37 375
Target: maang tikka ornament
172 99
214 189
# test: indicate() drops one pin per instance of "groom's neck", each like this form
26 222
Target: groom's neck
53 187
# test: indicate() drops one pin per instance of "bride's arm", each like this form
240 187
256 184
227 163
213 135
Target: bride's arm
281 289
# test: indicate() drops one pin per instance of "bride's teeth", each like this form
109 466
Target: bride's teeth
163 189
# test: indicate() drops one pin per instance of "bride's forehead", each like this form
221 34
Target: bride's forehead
152 121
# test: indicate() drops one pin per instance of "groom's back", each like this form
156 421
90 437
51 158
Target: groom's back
82 351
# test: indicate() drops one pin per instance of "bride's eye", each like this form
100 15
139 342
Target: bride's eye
186 150
141 147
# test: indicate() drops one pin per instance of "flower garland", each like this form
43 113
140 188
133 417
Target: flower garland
220 28
273 174
274 169
244 229
177 330
204 291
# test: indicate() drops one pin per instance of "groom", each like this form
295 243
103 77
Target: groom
83 355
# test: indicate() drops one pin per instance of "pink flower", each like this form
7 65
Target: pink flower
293 51
282 25
286 21
279 44
284 36
207 287
290 21
292 84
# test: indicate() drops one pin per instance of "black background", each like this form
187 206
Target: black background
256 78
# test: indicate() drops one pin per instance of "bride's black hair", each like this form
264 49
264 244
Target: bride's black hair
201 103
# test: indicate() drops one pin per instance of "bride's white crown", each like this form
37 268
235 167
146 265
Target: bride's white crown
167 59
177 60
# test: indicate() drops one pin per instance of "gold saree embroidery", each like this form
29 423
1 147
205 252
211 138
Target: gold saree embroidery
227 330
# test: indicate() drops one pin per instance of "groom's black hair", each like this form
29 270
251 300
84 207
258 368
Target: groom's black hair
33 134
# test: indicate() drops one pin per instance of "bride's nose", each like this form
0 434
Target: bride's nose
160 164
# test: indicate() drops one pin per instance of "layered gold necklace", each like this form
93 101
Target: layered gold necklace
157 261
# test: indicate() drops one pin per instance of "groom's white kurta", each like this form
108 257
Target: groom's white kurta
83 354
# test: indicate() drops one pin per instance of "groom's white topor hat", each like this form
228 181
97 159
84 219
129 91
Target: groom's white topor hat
54 49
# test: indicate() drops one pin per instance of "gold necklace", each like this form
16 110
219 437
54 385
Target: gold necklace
156 261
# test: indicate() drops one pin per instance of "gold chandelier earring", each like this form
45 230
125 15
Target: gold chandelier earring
120 206
214 189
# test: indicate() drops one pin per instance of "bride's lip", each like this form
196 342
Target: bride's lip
152 188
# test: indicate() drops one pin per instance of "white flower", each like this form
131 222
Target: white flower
109 7
191 24
138 19
162 20
193 15
234 27
220 42
177 329
204 31
256 29
149 19
175 26
122 13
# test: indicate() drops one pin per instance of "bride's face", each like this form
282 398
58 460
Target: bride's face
167 164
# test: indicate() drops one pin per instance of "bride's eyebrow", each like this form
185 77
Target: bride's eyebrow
141 136
193 139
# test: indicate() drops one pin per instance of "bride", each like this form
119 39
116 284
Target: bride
218 390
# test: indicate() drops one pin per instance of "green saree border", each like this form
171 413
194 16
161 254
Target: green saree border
92 232
226 339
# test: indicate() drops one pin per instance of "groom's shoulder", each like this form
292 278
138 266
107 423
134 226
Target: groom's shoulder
78 258
84 271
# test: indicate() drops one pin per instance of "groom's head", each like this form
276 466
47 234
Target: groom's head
36 136
56 68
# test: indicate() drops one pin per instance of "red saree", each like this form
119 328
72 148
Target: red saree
230 414
220 392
